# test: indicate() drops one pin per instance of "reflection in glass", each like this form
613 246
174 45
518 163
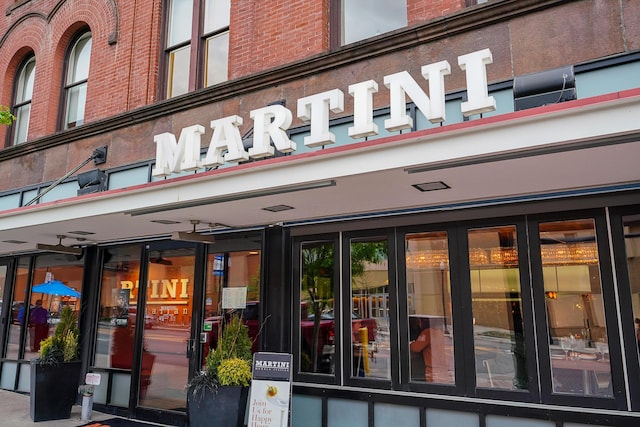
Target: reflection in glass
79 60
429 308
498 328
238 269
18 312
165 362
575 309
180 19
217 59
67 270
632 247
76 81
22 103
178 83
367 18
317 324
216 15
117 315
370 349
76 99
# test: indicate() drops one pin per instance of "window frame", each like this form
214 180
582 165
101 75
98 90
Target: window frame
618 401
83 33
533 307
632 357
197 50
204 37
345 309
336 22
459 386
298 242
467 359
17 105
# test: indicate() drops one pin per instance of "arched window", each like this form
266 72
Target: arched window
22 99
76 81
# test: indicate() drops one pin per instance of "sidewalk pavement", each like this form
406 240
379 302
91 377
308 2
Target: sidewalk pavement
14 412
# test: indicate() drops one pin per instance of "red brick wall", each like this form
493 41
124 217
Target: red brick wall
419 11
268 33
122 76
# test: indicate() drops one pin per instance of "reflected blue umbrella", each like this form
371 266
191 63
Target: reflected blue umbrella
55 287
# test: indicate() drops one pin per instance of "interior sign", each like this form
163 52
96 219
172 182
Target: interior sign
270 123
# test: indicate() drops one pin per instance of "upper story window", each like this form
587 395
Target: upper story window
200 58
76 81
362 19
22 100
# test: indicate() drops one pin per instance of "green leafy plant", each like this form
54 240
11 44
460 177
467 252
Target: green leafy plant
6 118
62 346
234 372
230 363
234 342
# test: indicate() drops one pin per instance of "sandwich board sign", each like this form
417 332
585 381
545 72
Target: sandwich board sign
270 400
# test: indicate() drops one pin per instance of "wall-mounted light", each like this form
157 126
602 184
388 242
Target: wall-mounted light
93 181
98 156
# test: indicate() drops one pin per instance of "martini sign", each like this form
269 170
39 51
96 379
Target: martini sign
270 400
270 123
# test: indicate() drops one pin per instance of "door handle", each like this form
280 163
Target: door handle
190 348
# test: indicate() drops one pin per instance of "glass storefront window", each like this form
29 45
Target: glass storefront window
238 270
167 344
18 310
317 322
370 344
632 249
46 307
429 308
579 349
116 321
498 329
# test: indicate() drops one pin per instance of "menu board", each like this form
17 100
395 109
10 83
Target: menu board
234 297
270 400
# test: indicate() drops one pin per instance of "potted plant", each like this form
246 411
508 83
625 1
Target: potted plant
218 395
6 118
55 374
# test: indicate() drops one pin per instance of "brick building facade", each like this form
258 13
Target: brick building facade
522 173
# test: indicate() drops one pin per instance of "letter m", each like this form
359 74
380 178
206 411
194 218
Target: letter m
175 157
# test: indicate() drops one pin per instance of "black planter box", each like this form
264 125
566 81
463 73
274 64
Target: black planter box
226 408
53 390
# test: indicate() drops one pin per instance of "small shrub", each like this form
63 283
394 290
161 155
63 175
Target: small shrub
233 343
62 346
234 372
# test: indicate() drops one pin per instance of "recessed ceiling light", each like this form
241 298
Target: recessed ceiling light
431 186
81 233
165 221
278 208
15 242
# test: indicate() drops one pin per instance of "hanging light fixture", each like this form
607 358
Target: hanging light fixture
193 236
59 248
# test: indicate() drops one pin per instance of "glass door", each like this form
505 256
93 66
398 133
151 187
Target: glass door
168 344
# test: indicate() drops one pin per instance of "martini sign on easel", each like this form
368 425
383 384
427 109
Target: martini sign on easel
270 400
